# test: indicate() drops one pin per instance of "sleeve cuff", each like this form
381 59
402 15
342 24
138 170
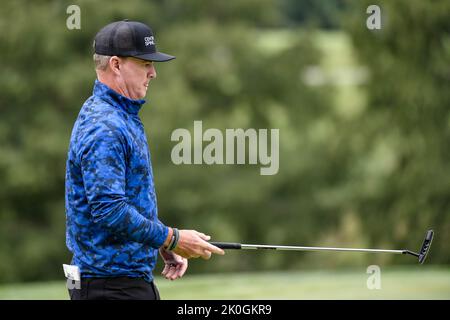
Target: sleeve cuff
159 241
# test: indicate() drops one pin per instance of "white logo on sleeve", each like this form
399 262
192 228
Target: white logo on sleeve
149 41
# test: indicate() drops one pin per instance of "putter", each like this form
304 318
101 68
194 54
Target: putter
421 255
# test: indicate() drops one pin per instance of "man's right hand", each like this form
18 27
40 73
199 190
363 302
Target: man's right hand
194 244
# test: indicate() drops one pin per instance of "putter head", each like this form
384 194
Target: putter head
425 246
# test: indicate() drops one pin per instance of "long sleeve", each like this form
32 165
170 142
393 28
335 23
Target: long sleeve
103 166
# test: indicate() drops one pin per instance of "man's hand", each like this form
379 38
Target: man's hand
193 244
174 265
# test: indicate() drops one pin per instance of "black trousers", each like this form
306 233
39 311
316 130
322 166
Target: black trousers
120 288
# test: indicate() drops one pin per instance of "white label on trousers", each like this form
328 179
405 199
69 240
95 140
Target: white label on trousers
72 272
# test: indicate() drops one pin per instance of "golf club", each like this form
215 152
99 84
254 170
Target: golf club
421 255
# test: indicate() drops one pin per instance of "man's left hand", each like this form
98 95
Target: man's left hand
174 265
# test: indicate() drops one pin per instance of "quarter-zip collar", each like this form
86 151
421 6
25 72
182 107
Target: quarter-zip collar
114 98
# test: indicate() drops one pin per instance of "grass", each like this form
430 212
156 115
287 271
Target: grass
411 283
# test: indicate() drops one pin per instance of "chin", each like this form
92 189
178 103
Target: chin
141 96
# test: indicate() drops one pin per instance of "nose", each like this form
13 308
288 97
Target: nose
152 72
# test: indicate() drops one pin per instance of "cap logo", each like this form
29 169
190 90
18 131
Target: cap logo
149 41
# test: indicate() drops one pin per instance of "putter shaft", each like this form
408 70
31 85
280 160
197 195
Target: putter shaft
231 245
421 255
298 248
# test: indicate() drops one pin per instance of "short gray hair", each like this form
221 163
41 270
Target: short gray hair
101 62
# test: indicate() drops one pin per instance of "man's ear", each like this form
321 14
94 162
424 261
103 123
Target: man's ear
114 64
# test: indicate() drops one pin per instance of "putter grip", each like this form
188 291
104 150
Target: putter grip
227 245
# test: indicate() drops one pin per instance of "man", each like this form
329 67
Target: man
113 228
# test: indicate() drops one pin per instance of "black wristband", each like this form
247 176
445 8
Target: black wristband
176 236
172 238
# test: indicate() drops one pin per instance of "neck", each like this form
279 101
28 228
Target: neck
109 80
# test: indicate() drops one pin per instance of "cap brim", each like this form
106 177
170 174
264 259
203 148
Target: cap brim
157 56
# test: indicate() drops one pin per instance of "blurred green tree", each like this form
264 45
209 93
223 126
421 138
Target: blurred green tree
374 178
402 174
223 75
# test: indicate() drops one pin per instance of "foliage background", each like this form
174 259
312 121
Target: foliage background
363 116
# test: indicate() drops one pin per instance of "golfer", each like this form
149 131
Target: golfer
113 229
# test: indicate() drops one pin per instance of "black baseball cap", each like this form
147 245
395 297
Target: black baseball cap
128 39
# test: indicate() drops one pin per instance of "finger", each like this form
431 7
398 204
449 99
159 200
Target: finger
170 273
214 249
203 236
166 269
168 264
206 255
176 274
183 268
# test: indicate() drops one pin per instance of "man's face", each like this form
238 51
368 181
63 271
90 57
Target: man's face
136 75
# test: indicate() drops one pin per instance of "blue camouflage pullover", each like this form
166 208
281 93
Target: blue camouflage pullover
111 212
